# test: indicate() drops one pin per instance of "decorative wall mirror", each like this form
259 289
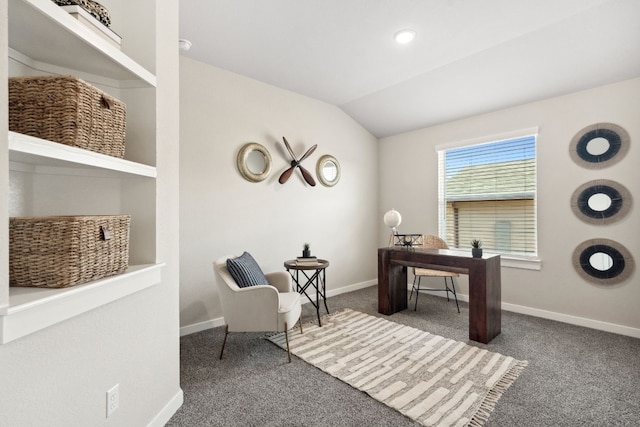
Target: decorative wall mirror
599 145
328 170
601 202
254 162
603 261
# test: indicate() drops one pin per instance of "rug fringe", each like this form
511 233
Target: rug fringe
489 402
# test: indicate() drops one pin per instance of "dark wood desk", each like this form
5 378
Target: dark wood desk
484 284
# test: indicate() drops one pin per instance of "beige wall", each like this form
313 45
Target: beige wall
555 291
221 213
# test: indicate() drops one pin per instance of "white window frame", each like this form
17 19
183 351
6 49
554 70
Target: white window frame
533 262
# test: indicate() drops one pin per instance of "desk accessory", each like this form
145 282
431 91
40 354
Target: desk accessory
476 248
392 219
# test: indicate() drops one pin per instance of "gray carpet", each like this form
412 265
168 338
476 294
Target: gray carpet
576 376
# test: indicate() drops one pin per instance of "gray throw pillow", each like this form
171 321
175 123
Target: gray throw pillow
246 271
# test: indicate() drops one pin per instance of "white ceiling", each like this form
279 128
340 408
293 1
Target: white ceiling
469 56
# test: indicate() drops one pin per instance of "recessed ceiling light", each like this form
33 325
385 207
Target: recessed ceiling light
404 36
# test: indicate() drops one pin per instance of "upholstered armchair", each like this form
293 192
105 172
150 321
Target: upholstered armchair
270 306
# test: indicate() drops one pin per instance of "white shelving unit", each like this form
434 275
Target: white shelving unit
47 156
47 34
47 178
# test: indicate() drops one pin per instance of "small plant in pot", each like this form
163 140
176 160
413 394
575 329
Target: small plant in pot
476 248
306 252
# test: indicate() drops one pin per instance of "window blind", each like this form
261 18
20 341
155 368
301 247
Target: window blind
487 191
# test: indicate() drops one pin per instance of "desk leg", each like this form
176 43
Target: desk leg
485 311
392 285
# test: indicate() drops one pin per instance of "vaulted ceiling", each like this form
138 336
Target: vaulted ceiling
469 57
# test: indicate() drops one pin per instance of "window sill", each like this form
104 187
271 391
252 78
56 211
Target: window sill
526 263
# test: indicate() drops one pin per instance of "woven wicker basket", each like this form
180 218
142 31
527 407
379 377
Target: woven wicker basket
62 251
67 110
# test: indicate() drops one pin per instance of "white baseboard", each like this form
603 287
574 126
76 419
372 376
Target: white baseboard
345 289
573 320
214 323
168 411
201 326
558 317
544 314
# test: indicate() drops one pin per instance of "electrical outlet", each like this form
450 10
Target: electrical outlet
113 399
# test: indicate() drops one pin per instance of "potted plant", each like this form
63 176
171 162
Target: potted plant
476 248
306 252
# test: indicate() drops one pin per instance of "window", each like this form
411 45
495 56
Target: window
487 191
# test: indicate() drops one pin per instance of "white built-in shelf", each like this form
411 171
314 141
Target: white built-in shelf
45 38
33 309
46 33
41 155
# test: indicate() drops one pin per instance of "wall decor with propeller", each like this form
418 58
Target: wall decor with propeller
295 163
254 164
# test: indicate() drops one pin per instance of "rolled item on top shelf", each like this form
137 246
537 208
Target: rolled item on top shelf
94 8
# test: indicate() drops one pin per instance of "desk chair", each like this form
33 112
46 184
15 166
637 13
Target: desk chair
433 242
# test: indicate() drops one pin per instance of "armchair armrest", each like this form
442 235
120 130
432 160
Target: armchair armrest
281 280
254 308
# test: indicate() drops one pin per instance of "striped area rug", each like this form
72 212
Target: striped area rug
430 379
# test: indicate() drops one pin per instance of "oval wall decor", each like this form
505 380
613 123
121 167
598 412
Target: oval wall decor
328 170
603 261
254 162
599 145
601 202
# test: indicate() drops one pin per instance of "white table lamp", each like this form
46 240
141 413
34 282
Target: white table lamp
392 219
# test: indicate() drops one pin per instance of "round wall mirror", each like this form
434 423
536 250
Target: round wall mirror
603 261
601 202
599 145
254 162
328 170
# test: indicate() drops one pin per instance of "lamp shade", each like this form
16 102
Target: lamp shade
392 218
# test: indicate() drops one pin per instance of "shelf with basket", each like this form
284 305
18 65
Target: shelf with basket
44 155
33 309
48 178
69 43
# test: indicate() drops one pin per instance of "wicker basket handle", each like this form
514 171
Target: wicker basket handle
105 234
107 102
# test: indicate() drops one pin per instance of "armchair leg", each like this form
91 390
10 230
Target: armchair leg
286 337
224 341
300 321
